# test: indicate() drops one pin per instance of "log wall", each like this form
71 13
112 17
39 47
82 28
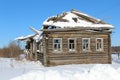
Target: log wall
78 56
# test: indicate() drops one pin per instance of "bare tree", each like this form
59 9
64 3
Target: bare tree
12 50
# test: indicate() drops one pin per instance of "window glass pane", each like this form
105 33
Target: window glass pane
55 41
59 40
58 47
71 41
55 46
83 46
69 46
73 46
100 45
87 46
97 46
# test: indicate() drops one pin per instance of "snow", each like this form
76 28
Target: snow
19 38
71 22
79 23
83 24
37 37
24 37
36 31
70 17
81 13
11 69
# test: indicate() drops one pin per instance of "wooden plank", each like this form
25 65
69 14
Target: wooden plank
78 56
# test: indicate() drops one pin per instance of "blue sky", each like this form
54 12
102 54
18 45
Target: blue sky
16 16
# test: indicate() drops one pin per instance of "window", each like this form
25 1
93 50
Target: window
99 44
71 44
86 44
41 47
57 44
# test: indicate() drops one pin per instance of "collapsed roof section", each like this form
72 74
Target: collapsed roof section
75 19
25 38
68 20
36 37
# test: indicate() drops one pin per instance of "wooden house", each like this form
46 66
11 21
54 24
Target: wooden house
71 38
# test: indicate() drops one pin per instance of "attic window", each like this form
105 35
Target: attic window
75 19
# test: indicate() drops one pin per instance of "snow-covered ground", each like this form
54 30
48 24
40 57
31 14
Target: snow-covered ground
11 69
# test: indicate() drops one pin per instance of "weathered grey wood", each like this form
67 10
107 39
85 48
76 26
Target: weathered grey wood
49 57
45 49
93 29
78 56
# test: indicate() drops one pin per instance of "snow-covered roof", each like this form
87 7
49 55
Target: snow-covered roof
37 37
25 37
75 19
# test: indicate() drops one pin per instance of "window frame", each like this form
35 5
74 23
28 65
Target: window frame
70 50
101 49
85 50
56 50
41 47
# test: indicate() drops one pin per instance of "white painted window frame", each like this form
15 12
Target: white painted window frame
100 49
88 44
56 50
70 50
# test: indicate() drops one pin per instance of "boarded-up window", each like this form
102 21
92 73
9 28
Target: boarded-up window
57 44
85 44
99 44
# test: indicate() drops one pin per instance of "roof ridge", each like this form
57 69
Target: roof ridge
88 17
